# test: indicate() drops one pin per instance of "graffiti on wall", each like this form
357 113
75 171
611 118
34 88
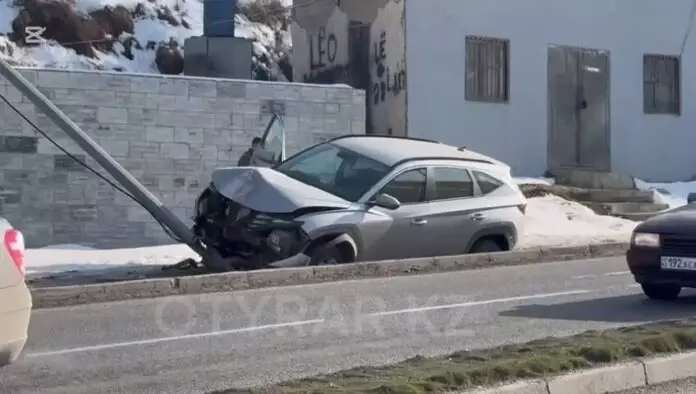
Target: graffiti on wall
323 49
390 80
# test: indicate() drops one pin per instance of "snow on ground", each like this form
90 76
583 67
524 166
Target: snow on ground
674 194
534 181
553 221
65 258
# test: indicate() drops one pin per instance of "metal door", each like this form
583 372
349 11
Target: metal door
454 218
578 109
273 142
406 235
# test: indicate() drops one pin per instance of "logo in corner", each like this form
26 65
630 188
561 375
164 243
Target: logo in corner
34 34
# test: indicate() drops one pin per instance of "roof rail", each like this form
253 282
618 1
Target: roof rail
384 136
441 158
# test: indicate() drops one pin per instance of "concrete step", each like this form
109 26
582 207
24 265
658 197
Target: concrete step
617 208
590 195
628 210
637 216
594 179
617 196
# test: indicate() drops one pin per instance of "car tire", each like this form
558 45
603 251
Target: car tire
486 246
661 292
327 255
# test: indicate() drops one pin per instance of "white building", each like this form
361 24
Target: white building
540 84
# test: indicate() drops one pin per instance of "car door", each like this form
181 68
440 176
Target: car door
409 223
456 213
273 144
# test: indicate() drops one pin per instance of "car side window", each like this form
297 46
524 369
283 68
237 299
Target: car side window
452 182
408 187
486 182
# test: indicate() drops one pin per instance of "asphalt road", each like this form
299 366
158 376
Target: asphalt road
195 344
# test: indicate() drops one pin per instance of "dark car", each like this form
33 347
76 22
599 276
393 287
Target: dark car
662 255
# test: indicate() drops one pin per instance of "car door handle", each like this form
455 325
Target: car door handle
418 222
478 217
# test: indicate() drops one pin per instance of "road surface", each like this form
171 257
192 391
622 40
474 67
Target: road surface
687 386
196 344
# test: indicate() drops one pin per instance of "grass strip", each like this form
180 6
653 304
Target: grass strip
469 369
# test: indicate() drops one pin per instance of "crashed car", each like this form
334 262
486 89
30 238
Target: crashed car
358 198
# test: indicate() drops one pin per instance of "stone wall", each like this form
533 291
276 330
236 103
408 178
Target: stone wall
169 132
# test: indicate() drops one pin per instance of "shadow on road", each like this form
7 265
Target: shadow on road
624 309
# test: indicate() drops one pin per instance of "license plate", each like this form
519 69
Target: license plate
678 263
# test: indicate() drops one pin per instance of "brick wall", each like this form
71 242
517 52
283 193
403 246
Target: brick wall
169 132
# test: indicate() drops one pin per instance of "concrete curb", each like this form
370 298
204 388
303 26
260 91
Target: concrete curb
49 297
610 379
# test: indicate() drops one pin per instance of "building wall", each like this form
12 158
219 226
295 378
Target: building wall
653 147
323 52
387 96
169 132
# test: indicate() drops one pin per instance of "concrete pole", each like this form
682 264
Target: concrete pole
210 257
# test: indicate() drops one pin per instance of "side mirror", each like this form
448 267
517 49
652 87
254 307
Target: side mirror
691 198
386 201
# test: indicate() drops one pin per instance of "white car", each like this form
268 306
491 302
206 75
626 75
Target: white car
15 298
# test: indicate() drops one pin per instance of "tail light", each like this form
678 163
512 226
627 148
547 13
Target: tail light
522 208
14 243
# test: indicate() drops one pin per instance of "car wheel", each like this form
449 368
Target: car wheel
661 292
486 246
327 255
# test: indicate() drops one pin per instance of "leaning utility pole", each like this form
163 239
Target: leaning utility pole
210 257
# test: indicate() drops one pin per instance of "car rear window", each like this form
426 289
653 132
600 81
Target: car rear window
452 182
486 182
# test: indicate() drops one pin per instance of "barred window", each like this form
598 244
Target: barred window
661 85
487 69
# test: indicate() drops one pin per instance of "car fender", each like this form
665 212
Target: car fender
333 228
506 229
331 240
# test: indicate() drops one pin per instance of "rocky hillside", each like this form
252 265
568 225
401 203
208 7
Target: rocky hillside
143 36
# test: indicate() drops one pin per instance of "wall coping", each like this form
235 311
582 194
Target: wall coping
181 77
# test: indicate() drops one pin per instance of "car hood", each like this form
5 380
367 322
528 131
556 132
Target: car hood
266 190
679 220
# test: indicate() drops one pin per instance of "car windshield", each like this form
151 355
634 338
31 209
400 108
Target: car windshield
336 170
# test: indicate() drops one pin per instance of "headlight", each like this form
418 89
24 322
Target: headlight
646 239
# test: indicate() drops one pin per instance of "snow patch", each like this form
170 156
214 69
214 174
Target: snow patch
63 258
534 181
674 193
553 221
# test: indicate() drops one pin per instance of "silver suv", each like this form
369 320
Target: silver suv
359 198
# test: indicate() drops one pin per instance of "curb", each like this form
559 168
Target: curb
49 297
610 379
